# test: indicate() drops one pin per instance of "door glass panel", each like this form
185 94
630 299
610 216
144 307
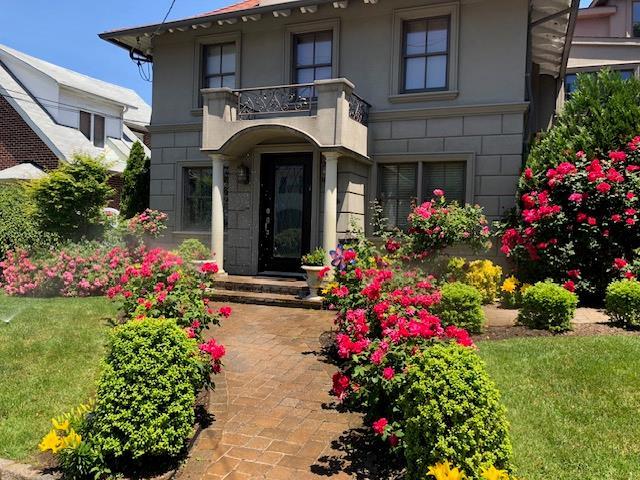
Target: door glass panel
228 58
304 50
323 52
288 211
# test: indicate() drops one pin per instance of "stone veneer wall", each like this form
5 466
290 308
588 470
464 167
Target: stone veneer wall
171 152
495 140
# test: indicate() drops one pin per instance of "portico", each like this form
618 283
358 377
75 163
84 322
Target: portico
305 163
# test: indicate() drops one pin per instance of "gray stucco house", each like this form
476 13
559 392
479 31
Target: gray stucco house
276 123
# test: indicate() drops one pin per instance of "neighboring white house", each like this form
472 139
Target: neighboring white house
49 113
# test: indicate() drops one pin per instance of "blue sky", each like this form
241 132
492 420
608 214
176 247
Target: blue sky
68 29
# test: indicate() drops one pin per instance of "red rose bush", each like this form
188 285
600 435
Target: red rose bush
577 222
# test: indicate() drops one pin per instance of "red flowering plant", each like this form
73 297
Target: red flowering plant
575 219
161 285
383 320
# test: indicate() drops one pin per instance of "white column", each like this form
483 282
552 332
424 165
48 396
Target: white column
330 239
217 210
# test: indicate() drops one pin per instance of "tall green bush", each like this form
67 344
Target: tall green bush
136 182
18 227
603 114
453 412
70 200
146 393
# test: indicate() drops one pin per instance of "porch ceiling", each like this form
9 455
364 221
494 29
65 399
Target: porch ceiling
551 26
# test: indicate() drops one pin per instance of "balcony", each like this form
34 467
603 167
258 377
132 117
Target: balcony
327 113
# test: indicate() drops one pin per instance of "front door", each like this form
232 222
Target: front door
285 211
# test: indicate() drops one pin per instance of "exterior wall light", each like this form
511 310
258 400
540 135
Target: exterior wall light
243 174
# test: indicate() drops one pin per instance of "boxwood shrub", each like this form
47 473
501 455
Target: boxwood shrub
548 306
146 393
453 412
623 302
461 305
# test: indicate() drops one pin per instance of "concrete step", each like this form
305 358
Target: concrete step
278 285
262 298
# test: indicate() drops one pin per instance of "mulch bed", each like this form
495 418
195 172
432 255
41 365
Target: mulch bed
579 330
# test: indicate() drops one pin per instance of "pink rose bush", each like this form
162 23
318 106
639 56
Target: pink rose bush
162 285
75 270
383 321
150 222
436 225
575 219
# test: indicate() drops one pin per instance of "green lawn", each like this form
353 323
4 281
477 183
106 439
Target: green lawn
49 357
574 405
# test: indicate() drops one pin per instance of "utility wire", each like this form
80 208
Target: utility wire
144 69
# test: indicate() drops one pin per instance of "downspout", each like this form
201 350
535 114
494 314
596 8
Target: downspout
528 127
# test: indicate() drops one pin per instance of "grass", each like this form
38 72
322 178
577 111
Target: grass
573 403
49 358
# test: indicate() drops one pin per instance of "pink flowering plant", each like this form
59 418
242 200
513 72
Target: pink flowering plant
150 222
383 321
577 223
436 225
73 270
162 285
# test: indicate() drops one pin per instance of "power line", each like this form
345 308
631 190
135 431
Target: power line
61 106
144 68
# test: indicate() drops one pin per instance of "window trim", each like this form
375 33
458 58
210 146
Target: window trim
400 16
198 62
405 56
291 30
421 158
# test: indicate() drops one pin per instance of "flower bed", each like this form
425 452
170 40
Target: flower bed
158 361
385 326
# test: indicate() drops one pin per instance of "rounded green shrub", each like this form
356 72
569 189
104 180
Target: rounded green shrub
461 305
548 306
453 412
193 249
623 302
146 393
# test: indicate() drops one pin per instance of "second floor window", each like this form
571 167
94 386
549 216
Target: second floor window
312 57
636 19
425 55
98 131
92 126
219 66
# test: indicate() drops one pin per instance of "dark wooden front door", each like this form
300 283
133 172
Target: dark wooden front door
285 211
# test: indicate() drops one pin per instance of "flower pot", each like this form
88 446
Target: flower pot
313 281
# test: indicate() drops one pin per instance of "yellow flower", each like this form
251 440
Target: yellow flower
492 473
60 424
524 287
51 441
510 285
72 440
443 471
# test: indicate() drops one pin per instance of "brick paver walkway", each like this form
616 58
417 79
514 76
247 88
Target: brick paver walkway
271 405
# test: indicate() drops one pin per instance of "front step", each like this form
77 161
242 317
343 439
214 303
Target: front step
263 298
279 285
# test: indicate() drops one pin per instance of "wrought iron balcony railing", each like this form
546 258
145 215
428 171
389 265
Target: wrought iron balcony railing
264 102
359 109
271 101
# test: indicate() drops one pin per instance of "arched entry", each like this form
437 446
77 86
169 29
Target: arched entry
287 199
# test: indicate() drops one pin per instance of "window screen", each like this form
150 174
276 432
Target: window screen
451 177
397 191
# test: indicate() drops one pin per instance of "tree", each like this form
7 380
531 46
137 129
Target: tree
70 200
136 180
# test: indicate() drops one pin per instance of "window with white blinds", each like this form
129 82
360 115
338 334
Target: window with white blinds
398 191
398 186
451 177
